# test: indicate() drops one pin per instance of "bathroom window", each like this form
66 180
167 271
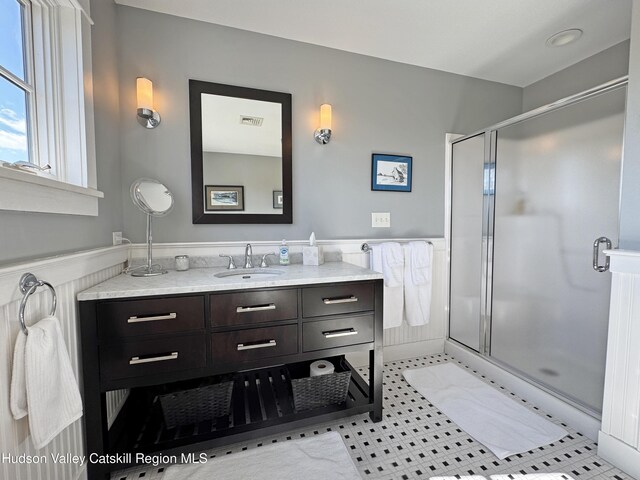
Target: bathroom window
16 82
45 162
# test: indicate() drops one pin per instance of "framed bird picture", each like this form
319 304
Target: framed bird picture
391 172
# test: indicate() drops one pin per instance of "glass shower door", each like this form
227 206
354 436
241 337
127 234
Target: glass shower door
467 217
556 192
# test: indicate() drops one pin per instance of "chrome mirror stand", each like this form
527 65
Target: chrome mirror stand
150 269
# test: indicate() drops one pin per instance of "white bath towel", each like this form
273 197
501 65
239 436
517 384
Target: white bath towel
392 271
42 383
417 282
316 458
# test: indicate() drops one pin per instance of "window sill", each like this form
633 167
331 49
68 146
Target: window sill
26 192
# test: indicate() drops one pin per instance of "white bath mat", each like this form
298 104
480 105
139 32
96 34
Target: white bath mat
511 476
498 422
317 458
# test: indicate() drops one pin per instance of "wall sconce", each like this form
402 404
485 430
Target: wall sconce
147 116
323 134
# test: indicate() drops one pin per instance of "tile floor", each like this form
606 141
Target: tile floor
415 440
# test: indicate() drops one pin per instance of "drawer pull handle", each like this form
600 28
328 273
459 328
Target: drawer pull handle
251 346
333 301
169 316
160 358
256 308
340 333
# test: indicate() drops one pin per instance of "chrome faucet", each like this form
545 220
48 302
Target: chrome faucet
248 252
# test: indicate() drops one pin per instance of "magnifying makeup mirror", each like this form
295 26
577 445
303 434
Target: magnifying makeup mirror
154 199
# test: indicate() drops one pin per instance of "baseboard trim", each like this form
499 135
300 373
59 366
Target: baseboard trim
403 351
618 453
575 418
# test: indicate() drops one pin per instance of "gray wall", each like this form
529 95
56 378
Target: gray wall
604 66
614 62
630 201
378 106
33 235
259 175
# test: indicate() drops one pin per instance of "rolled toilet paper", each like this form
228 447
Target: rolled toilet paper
321 367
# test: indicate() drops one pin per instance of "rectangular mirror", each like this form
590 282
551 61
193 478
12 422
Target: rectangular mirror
240 154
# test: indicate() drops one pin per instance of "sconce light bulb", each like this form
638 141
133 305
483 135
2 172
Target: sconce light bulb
323 134
147 116
144 93
325 117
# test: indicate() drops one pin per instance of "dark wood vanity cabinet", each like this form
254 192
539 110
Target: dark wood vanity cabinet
260 338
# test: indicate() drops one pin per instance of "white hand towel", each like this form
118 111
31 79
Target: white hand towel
417 282
393 301
392 264
18 394
42 384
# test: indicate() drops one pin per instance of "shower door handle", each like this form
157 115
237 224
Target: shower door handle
596 254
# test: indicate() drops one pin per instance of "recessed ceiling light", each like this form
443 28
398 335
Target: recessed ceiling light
563 38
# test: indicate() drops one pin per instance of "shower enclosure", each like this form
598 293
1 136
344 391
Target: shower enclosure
534 201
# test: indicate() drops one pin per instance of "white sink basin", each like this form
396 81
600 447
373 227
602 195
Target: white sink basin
247 273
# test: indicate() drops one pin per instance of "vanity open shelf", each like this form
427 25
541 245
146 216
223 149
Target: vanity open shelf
262 400
260 338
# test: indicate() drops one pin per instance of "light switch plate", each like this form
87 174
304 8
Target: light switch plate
381 220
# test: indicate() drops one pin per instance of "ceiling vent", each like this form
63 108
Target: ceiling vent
251 121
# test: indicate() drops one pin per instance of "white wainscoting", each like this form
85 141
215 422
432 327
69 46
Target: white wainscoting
619 438
402 342
69 274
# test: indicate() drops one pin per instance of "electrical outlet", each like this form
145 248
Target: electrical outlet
117 238
381 220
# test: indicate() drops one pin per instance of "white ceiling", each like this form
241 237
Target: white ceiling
223 132
499 40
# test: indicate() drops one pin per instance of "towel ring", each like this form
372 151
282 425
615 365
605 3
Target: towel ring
28 285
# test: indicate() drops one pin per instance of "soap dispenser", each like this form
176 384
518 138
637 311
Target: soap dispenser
284 253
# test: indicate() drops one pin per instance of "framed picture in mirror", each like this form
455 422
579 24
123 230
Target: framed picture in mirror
224 197
277 199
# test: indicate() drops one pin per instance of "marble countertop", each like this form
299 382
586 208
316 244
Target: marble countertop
204 280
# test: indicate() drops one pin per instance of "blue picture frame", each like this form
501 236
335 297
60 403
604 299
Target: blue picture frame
391 173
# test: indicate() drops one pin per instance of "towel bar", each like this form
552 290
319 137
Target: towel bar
366 248
28 285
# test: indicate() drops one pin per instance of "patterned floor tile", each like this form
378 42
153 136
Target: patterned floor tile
416 441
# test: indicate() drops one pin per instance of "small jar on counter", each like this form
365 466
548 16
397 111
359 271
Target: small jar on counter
182 263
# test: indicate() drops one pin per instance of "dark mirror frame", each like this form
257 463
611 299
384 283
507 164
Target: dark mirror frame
196 89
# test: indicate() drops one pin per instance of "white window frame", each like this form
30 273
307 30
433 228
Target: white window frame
26 84
61 114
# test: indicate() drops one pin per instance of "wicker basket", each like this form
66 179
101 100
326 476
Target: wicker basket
197 404
319 391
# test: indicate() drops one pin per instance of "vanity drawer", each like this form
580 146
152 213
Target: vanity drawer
245 308
151 316
338 332
150 357
337 299
255 343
